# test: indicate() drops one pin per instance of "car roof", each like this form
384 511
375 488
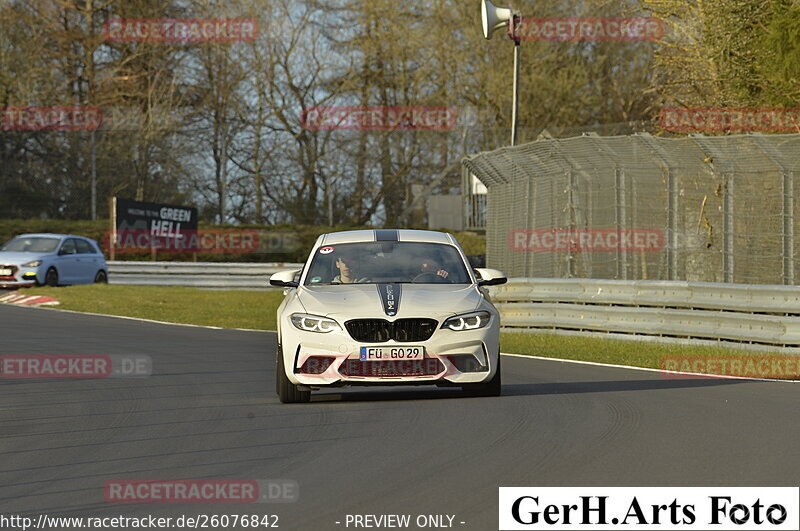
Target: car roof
50 235
372 235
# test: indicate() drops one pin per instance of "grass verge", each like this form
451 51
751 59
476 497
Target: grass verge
613 351
227 309
257 310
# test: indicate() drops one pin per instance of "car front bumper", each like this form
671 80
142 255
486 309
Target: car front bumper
463 357
21 277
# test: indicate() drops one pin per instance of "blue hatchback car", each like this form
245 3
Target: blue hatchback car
51 259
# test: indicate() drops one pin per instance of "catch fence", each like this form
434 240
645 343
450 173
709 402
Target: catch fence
639 207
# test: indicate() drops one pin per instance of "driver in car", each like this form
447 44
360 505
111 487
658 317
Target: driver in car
348 266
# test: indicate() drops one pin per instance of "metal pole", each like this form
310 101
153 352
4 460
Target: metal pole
466 197
112 215
672 224
515 96
573 223
529 204
94 174
329 194
788 227
727 242
621 221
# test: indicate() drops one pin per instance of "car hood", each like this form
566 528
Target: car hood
20 258
366 300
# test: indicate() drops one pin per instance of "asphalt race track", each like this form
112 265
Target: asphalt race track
210 411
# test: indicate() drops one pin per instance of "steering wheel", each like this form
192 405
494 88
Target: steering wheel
429 277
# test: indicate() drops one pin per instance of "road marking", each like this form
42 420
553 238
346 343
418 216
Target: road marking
157 322
648 369
28 300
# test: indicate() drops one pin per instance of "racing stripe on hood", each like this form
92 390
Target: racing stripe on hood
390 297
386 235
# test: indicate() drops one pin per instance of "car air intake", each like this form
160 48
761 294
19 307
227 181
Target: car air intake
316 365
391 368
380 330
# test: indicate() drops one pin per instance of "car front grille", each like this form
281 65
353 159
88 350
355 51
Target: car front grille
391 368
380 330
13 271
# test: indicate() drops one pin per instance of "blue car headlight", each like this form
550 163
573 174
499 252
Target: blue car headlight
467 321
35 263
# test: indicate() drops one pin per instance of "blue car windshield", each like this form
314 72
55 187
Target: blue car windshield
31 245
375 262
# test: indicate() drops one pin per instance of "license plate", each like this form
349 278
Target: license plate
5 272
391 353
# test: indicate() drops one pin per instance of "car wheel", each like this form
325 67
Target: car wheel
51 278
491 388
101 277
288 393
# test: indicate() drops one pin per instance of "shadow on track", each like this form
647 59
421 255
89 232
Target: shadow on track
367 394
532 389
611 386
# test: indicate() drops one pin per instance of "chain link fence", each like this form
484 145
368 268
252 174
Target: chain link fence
697 208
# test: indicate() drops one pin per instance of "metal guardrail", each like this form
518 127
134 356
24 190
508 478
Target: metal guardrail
741 313
195 274
751 314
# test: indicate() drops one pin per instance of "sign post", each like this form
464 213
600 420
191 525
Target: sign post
112 219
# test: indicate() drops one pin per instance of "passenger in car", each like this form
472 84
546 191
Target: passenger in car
349 267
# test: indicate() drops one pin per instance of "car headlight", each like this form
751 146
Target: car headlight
467 321
314 323
35 263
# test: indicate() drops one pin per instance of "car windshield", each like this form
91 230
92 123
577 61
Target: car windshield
31 245
374 262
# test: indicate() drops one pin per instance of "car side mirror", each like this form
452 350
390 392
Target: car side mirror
490 277
65 251
285 279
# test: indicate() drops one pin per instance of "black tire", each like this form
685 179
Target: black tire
51 277
493 387
101 277
288 393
